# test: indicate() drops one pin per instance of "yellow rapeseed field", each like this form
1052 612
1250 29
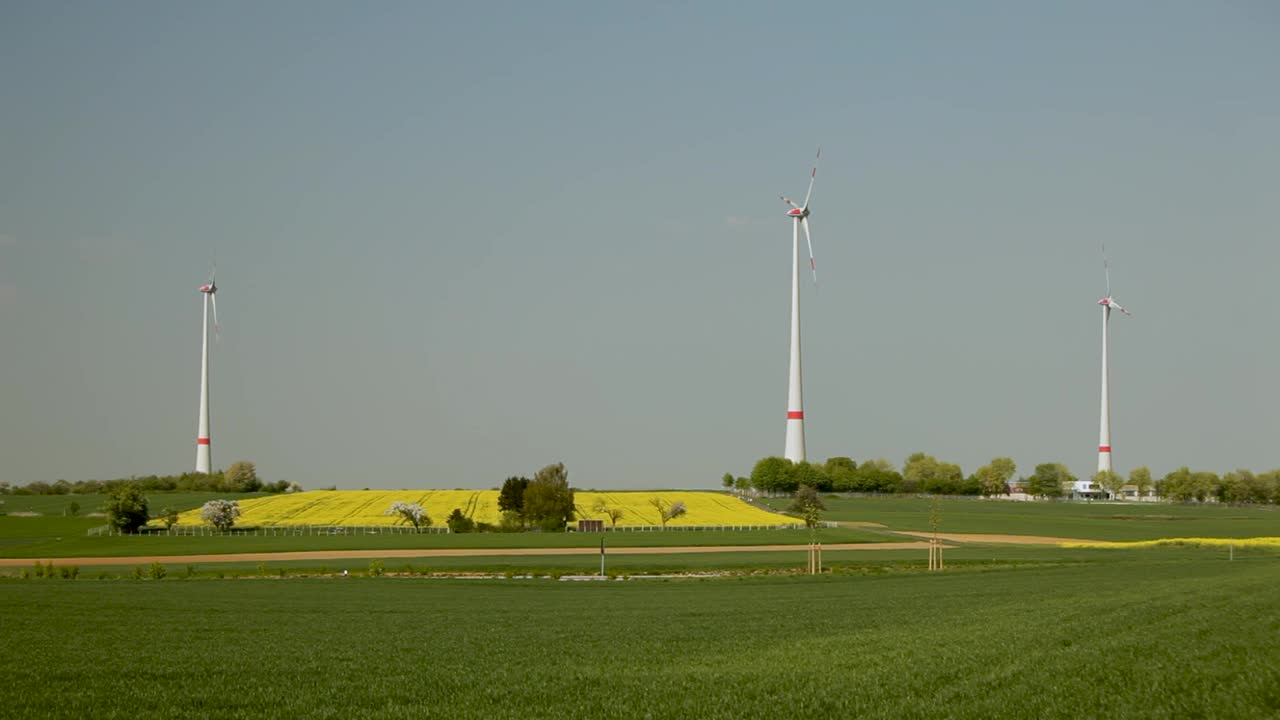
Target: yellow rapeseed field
368 507
1269 543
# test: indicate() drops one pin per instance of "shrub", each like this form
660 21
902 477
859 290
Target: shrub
459 523
156 571
126 508
376 569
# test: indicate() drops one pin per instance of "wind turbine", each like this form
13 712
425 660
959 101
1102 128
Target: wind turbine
1104 431
795 393
202 435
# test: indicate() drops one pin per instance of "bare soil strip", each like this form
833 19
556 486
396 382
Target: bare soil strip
445 552
998 539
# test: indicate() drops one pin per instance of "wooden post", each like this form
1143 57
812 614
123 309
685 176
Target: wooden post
935 554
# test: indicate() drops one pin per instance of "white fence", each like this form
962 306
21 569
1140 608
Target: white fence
280 530
318 530
704 528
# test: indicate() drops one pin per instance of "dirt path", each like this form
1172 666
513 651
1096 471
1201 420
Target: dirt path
445 552
1000 539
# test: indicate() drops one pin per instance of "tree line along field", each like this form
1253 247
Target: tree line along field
1150 637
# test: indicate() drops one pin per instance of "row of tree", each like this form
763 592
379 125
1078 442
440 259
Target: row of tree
240 477
923 473
545 502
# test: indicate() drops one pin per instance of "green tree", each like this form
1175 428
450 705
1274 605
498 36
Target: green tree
548 501
242 476
808 505
1049 479
1183 485
73 509
917 470
1140 478
878 476
459 523
511 497
842 473
1112 482
993 478
727 481
923 473
742 485
806 473
126 508
771 474
1269 487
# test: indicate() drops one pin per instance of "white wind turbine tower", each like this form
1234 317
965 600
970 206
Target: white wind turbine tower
202 435
795 393
1104 430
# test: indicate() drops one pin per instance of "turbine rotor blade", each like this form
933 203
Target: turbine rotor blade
813 266
217 329
787 200
813 175
1106 268
1116 306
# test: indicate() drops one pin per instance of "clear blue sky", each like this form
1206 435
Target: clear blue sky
458 241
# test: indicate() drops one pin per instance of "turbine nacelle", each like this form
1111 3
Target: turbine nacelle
211 288
1108 302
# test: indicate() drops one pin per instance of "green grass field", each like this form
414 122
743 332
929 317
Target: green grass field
1152 634
60 504
1087 521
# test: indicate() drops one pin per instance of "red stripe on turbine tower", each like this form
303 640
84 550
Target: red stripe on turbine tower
795 414
202 441
1104 448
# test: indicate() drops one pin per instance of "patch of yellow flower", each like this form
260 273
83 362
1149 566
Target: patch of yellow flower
369 507
1266 543
702 508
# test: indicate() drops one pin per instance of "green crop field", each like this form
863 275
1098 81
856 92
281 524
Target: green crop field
1151 634
66 537
1087 521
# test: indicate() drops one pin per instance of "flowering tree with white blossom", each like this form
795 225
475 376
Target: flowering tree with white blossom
411 513
221 514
